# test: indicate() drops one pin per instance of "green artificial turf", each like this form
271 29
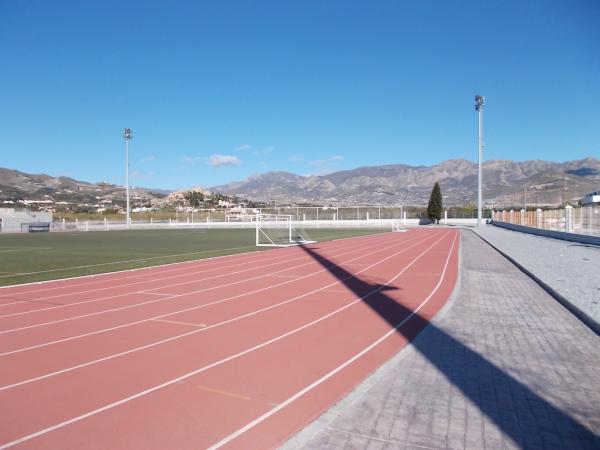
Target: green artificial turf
26 258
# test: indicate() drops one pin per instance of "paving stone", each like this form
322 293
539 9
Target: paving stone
503 366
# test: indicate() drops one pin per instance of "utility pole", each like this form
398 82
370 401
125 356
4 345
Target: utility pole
479 102
127 135
524 198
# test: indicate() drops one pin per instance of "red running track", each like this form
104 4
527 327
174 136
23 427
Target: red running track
233 352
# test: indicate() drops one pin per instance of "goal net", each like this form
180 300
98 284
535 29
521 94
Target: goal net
397 226
276 230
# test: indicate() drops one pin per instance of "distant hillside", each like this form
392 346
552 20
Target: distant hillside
390 184
402 184
15 185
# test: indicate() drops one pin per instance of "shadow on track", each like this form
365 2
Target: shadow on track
502 398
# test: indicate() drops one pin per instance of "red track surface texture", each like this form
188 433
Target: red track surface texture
233 352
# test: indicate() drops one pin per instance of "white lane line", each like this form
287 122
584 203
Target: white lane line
187 282
193 265
133 305
333 372
192 308
282 276
13 303
189 333
126 274
153 293
202 369
145 281
161 278
97 277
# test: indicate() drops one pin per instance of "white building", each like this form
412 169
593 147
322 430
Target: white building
18 220
591 198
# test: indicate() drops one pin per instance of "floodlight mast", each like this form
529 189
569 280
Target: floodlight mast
479 102
127 135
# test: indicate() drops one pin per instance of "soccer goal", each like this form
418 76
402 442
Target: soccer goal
276 230
398 227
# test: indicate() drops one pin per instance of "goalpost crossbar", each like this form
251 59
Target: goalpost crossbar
277 230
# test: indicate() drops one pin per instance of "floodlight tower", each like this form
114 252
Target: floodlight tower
479 102
127 135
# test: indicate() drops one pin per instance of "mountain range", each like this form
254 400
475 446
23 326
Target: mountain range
16 185
506 183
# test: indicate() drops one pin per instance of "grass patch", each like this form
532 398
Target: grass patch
25 258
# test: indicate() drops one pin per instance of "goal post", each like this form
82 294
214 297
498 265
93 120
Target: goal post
398 227
277 230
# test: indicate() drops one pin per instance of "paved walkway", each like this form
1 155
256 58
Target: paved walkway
504 365
569 268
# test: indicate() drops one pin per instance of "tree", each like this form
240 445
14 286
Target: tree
194 197
434 208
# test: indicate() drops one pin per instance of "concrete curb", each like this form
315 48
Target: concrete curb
582 316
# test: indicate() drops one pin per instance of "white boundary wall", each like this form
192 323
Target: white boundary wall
171 225
17 220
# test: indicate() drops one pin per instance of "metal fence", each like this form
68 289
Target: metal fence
244 222
375 216
583 220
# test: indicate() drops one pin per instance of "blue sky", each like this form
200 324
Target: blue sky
217 91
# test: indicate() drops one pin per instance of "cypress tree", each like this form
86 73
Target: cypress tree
434 208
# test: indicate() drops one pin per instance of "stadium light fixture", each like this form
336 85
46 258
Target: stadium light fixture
479 102
127 135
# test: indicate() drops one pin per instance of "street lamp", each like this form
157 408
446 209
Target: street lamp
127 135
479 102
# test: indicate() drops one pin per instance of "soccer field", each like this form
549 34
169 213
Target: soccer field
26 258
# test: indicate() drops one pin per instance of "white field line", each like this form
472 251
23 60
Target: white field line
98 277
20 249
339 368
185 271
126 272
205 328
148 302
187 274
209 366
169 298
126 261
143 281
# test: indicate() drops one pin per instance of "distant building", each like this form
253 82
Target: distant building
19 220
593 198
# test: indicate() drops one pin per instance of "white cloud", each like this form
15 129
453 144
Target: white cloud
296 158
217 160
149 158
241 148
